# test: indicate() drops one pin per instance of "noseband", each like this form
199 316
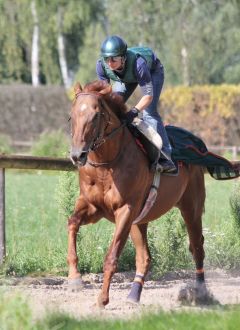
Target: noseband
100 139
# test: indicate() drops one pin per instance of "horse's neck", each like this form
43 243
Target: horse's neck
115 139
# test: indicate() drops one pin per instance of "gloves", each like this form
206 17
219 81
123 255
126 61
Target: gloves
131 114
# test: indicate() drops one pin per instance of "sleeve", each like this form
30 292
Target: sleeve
100 72
143 76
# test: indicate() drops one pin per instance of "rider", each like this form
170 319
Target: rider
128 68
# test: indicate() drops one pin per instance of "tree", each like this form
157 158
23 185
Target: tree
35 45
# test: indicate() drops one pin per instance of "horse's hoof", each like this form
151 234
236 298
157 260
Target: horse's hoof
203 296
132 301
75 284
97 306
196 294
135 293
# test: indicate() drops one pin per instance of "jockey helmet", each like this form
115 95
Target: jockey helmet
113 46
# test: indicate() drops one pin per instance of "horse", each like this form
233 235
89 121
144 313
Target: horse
115 179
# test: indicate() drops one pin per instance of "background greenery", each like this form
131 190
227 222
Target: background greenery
197 41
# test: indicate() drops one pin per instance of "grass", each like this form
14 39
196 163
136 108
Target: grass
224 319
36 232
15 313
217 202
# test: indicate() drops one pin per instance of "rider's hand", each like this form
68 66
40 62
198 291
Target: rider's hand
131 114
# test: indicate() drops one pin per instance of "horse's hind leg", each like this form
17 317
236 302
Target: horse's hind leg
139 237
191 206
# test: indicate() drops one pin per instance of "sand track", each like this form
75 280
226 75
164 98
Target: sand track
52 294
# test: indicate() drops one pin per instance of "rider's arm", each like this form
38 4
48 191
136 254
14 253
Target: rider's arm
144 79
100 72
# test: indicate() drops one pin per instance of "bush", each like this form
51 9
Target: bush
67 192
168 244
223 246
235 208
53 144
5 144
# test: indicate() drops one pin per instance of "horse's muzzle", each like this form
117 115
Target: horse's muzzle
78 157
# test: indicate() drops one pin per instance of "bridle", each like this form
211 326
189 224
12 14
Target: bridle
100 138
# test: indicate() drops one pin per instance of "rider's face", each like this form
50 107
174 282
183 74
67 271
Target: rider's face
114 62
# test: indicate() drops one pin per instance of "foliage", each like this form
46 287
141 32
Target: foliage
206 99
67 192
167 242
222 246
209 111
52 144
235 208
202 50
89 54
5 144
16 20
204 46
14 312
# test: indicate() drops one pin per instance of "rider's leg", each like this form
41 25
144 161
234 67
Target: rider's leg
152 117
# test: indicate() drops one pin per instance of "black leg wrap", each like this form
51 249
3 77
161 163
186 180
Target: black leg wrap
135 292
200 277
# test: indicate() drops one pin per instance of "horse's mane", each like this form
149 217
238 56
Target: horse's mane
114 101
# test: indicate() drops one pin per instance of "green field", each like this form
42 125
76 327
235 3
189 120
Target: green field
36 233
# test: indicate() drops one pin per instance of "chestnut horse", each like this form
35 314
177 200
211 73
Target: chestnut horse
114 182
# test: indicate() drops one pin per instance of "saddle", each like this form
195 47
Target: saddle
186 148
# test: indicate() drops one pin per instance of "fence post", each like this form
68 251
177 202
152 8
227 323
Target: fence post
2 215
234 152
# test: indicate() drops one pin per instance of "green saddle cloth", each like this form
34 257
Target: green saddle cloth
190 149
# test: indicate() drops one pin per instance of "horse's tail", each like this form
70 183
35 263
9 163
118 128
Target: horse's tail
232 171
236 166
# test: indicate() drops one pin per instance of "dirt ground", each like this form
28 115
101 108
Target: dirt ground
53 294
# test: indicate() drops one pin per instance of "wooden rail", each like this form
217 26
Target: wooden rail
24 162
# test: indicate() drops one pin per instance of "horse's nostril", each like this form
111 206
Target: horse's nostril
74 158
78 157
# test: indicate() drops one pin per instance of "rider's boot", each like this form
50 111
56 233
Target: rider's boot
166 165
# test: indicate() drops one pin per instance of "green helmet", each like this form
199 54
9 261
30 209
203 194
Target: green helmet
113 46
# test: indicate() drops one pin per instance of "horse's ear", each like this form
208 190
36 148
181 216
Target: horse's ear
106 90
77 88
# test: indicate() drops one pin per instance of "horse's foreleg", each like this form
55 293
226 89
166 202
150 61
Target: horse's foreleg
139 237
72 259
121 233
83 214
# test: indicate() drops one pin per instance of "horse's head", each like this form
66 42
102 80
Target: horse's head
87 121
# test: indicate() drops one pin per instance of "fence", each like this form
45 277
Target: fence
24 162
